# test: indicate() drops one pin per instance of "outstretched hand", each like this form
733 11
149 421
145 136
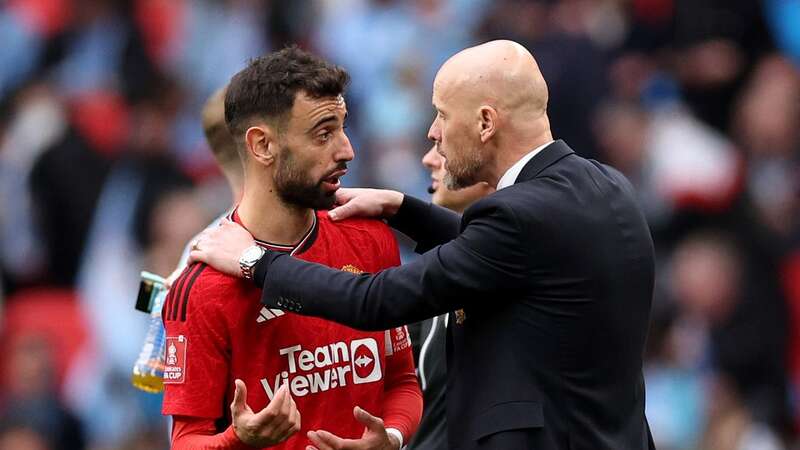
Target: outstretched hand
360 202
375 436
221 247
272 425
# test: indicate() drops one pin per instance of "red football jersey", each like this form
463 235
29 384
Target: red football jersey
217 331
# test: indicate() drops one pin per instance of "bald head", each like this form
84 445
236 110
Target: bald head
491 109
502 74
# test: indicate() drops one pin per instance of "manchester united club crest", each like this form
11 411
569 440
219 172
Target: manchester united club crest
461 316
352 269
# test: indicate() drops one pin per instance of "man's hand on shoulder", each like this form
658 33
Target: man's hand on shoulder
360 202
221 247
272 425
375 436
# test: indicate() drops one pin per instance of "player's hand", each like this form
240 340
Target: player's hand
270 426
375 436
360 202
221 247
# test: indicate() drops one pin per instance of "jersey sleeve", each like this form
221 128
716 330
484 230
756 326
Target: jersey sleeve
201 434
196 363
402 405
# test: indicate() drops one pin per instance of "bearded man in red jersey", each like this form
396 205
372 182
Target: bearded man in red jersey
286 113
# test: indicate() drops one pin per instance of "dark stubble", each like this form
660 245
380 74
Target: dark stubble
294 186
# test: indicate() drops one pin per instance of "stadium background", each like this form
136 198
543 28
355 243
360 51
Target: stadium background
104 172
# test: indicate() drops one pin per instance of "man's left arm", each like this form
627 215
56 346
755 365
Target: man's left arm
402 404
488 257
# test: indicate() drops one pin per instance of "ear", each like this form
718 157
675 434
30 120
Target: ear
488 122
261 144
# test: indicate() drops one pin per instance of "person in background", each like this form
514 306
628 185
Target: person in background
429 336
224 150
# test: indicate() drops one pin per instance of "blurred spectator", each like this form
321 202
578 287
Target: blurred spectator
675 402
741 323
32 398
696 101
731 425
17 436
38 120
767 127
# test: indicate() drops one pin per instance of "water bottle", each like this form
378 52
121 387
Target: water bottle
148 372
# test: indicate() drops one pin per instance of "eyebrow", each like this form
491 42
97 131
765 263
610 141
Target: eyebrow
321 121
330 118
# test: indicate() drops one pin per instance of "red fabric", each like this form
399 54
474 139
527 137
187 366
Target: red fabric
47 17
102 118
50 314
161 22
402 407
791 281
200 434
330 368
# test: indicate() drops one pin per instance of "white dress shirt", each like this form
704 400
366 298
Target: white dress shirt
510 177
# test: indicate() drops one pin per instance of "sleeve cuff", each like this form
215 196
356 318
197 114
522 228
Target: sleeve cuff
262 266
396 433
409 213
233 441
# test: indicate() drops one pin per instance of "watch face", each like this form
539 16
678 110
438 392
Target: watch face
252 254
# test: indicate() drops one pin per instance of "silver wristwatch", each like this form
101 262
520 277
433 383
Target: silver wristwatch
250 256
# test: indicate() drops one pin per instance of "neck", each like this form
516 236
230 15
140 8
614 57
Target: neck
510 150
269 219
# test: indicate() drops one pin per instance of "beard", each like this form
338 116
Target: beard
294 186
465 172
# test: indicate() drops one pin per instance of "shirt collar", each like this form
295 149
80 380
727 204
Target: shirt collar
512 173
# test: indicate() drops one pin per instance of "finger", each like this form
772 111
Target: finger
239 403
291 423
274 407
196 256
324 440
341 212
344 195
369 421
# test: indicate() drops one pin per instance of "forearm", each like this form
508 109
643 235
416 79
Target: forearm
483 262
402 405
200 434
427 224
364 302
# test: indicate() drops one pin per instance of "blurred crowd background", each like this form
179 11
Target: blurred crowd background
104 172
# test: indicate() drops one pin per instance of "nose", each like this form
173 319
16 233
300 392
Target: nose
345 151
435 132
432 159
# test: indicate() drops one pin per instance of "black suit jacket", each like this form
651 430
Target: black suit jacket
555 277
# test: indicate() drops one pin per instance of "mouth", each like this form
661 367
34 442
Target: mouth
331 183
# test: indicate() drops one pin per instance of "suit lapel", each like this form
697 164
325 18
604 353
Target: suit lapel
546 158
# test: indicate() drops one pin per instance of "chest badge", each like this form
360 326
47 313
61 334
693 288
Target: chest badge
461 316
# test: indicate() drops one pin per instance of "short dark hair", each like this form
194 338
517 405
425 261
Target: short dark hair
266 88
